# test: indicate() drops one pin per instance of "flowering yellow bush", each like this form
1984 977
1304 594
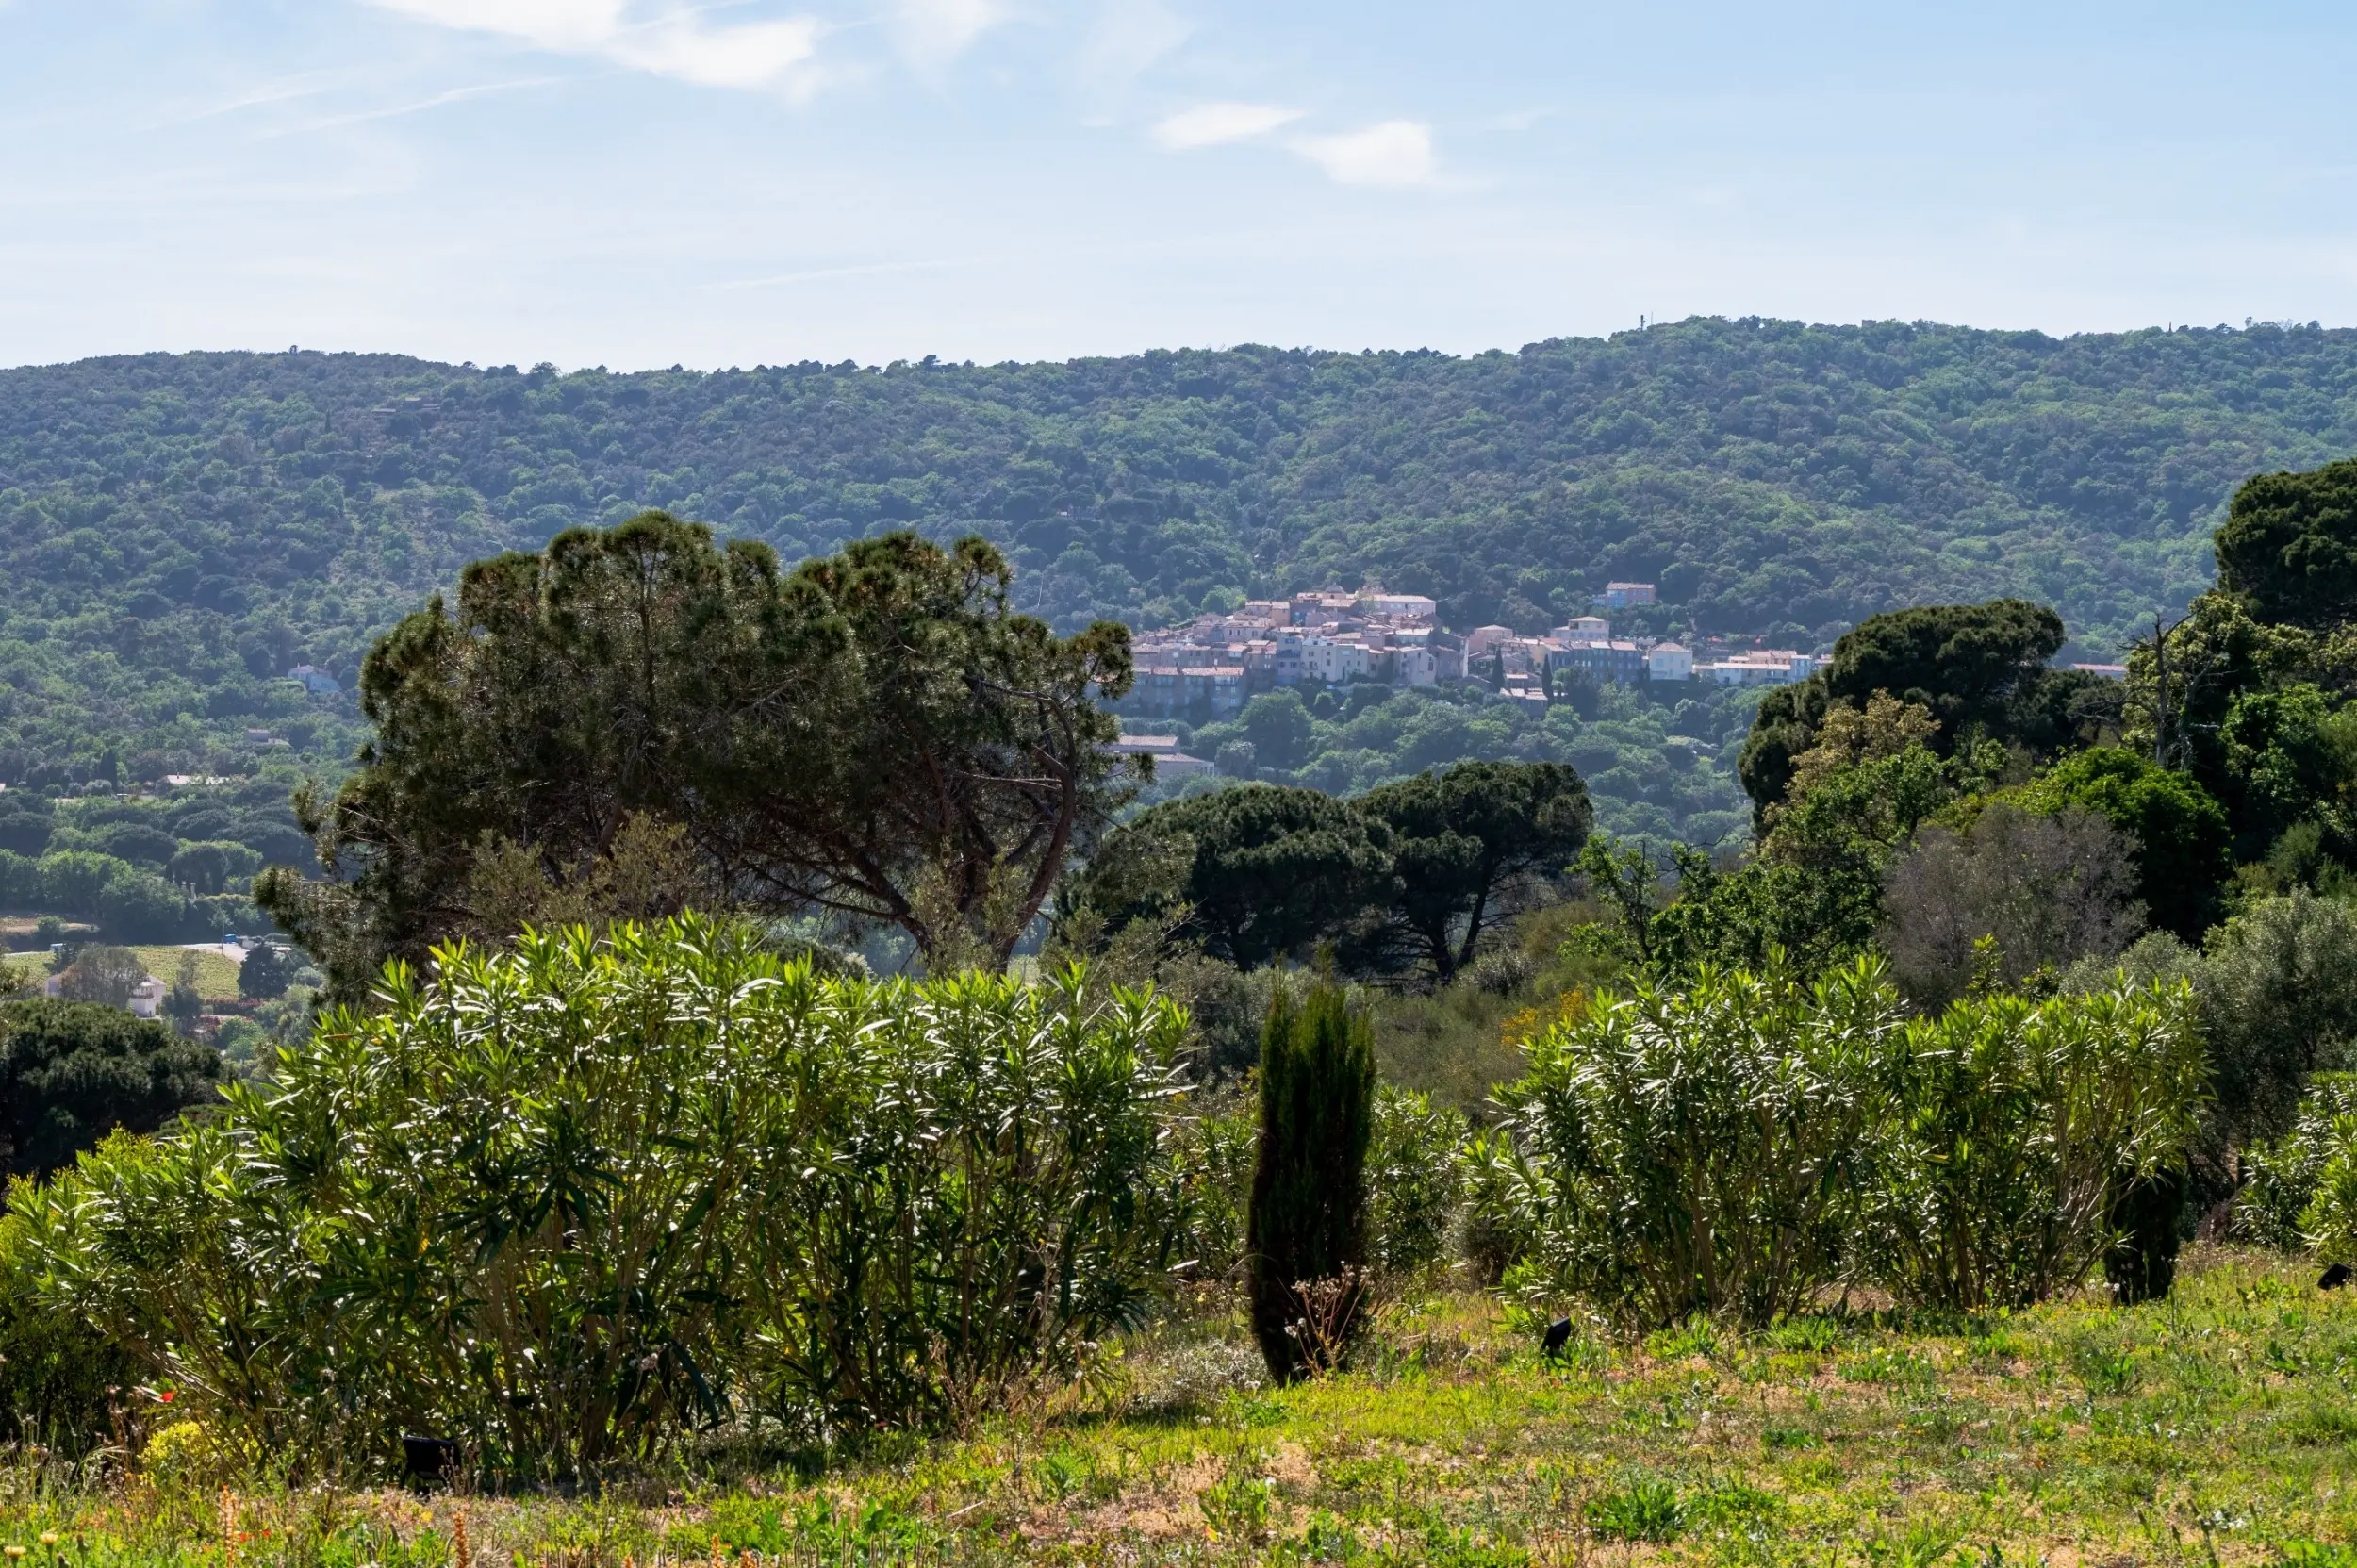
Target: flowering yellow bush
177 1451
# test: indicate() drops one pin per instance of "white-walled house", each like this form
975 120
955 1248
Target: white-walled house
147 997
1670 661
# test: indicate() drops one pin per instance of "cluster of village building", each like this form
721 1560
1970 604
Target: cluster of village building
1333 637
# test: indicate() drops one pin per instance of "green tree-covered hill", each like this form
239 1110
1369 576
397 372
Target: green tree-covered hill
179 532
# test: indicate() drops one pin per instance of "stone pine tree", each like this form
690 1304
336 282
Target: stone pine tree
1308 1227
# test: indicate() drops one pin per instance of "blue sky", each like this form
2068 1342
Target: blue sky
645 182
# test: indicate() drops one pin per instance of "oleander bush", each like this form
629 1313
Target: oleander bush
578 1201
2301 1190
2014 1129
1699 1150
1206 1177
1413 1183
1738 1146
2280 1176
1501 1205
59 1381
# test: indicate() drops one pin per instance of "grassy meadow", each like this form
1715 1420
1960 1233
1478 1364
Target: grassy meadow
2215 1428
216 976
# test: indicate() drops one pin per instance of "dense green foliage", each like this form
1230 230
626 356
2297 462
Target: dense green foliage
1259 873
1472 846
2279 984
2179 835
1406 879
1734 1146
1980 670
58 1378
2287 1173
173 865
2015 1128
577 1201
1307 1237
72 1071
2288 546
1811 895
169 866
1413 1184
1697 1147
181 530
874 737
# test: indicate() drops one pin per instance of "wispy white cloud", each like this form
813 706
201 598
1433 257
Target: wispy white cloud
932 33
394 112
1129 35
1398 152
1218 125
568 24
669 40
308 84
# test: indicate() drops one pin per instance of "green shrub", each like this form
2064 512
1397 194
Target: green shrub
56 1374
1207 1173
1697 1148
2282 1176
954 1191
1308 1181
1503 1200
573 1201
1412 1183
2329 1223
2279 997
2184 848
2015 1128
71 1071
1644 1510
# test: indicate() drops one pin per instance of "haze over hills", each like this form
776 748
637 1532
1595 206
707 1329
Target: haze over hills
180 532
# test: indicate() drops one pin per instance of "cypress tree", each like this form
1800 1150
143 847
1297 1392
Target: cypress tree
1308 1184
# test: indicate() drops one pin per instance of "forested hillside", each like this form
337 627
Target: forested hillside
180 532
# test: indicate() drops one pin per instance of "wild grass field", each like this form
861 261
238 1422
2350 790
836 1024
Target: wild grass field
216 976
2215 1428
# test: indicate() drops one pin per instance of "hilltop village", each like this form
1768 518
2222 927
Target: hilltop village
1206 667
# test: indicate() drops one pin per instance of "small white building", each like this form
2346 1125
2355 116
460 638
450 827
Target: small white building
1399 607
146 1000
1331 661
1586 628
1169 762
1670 661
1766 667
